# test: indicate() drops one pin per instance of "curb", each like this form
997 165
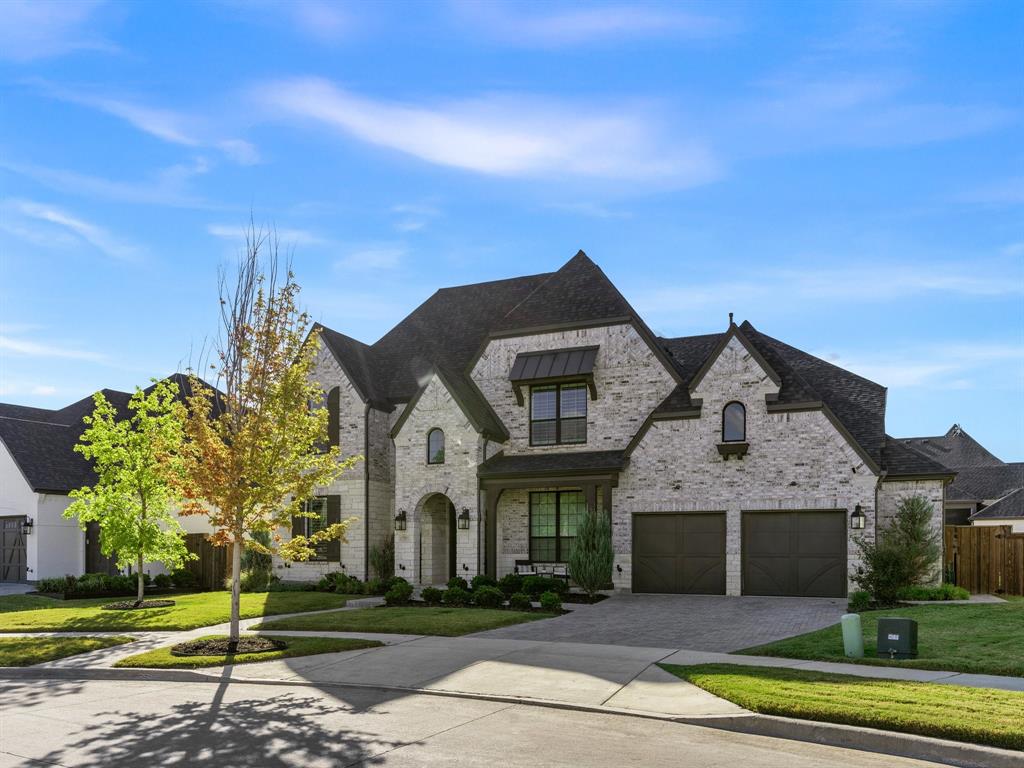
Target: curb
907 745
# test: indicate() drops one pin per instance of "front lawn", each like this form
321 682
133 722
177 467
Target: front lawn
448 622
25 651
985 639
189 611
161 658
976 715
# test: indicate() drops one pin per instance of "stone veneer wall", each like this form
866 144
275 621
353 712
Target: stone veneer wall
630 380
416 481
892 492
381 468
796 461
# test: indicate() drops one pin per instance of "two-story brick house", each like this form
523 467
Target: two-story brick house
495 414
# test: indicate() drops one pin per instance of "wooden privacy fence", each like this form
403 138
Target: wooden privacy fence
212 566
985 558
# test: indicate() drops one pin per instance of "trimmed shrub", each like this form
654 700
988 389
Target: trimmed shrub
941 592
488 597
431 595
256 580
520 601
510 583
399 594
459 583
551 601
382 557
291 586
162 580
57 584
376 587
591 558
184 579
455 596
859 601
392 581
535 586
482 580
347 585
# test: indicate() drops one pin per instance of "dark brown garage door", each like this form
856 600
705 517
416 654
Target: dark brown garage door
794 553
12 549
679 553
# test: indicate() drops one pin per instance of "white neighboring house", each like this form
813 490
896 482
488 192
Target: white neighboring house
38 469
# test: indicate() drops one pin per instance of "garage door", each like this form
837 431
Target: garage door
794 553
12 549
679 553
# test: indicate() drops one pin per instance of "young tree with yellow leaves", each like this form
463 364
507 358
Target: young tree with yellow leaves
256 448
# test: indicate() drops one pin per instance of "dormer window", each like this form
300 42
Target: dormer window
435 446
558 414
734 423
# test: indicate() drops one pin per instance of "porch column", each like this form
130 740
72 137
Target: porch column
590 492
491 496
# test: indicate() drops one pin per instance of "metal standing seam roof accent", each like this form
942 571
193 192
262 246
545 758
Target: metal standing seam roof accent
558 363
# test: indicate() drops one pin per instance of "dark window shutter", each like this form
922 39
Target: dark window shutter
298 526
333 416
332 550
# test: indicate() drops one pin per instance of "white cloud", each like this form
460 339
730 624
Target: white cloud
31 348
546 25
240 151
31 30
503 135
381 256
285 235
414 216
91 233
591 210
322 21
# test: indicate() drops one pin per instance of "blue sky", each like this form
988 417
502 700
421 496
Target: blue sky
848 177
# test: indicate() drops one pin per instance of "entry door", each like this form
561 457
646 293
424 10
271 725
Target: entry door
794 553
13 558
679 553
95 560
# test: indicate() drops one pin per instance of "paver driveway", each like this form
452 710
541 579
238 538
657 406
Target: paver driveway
693 622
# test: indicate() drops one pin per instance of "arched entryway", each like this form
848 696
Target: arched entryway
437 540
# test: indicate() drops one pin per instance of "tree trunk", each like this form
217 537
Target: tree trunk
236 587
141 583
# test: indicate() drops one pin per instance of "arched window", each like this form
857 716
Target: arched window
435 446
734 423
334 417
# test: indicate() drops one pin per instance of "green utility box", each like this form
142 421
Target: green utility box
897 638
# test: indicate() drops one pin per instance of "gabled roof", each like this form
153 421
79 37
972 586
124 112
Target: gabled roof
901 460
42 441
1010 505
985 483
955 449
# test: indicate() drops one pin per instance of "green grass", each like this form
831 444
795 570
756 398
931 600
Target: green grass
976 715
448 622
25 651
979 638
202 609
161 658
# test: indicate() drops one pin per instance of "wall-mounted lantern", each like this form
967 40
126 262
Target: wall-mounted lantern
26 527
400 521
464 519
858 519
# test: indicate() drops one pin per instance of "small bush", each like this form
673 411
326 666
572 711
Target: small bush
184 579
482 580
859 601
458 583
941 592
347 585
431 595
535 586
376 587
395 580
551 601
399 594
488 597
520 601
57 584
510 583
292 586
254 581
162 580
382 557
455 596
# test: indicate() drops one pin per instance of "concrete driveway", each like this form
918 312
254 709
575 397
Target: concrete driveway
692 622
12 588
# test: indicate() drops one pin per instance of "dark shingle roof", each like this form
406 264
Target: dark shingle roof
1010 505
900 459
955 449
985 483
551 463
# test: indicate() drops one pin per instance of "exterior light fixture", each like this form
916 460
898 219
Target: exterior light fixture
858 519
26 527
464 519
400 521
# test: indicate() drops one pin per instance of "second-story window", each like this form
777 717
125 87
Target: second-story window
435 447
734 423
558 414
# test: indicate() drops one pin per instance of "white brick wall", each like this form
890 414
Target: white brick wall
892 492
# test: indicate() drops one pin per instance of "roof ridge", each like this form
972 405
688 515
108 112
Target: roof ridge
493 282
35 421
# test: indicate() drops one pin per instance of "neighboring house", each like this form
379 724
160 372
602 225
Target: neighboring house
38 469
496 413
987 490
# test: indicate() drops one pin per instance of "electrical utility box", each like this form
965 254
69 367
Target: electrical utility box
897 638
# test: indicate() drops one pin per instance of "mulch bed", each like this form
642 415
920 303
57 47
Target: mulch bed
223 646
577 597
132 605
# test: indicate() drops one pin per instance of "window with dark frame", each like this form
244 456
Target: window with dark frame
734 423
558 414
554 519
435 446
311 525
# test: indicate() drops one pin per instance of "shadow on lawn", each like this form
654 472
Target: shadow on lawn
282 730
